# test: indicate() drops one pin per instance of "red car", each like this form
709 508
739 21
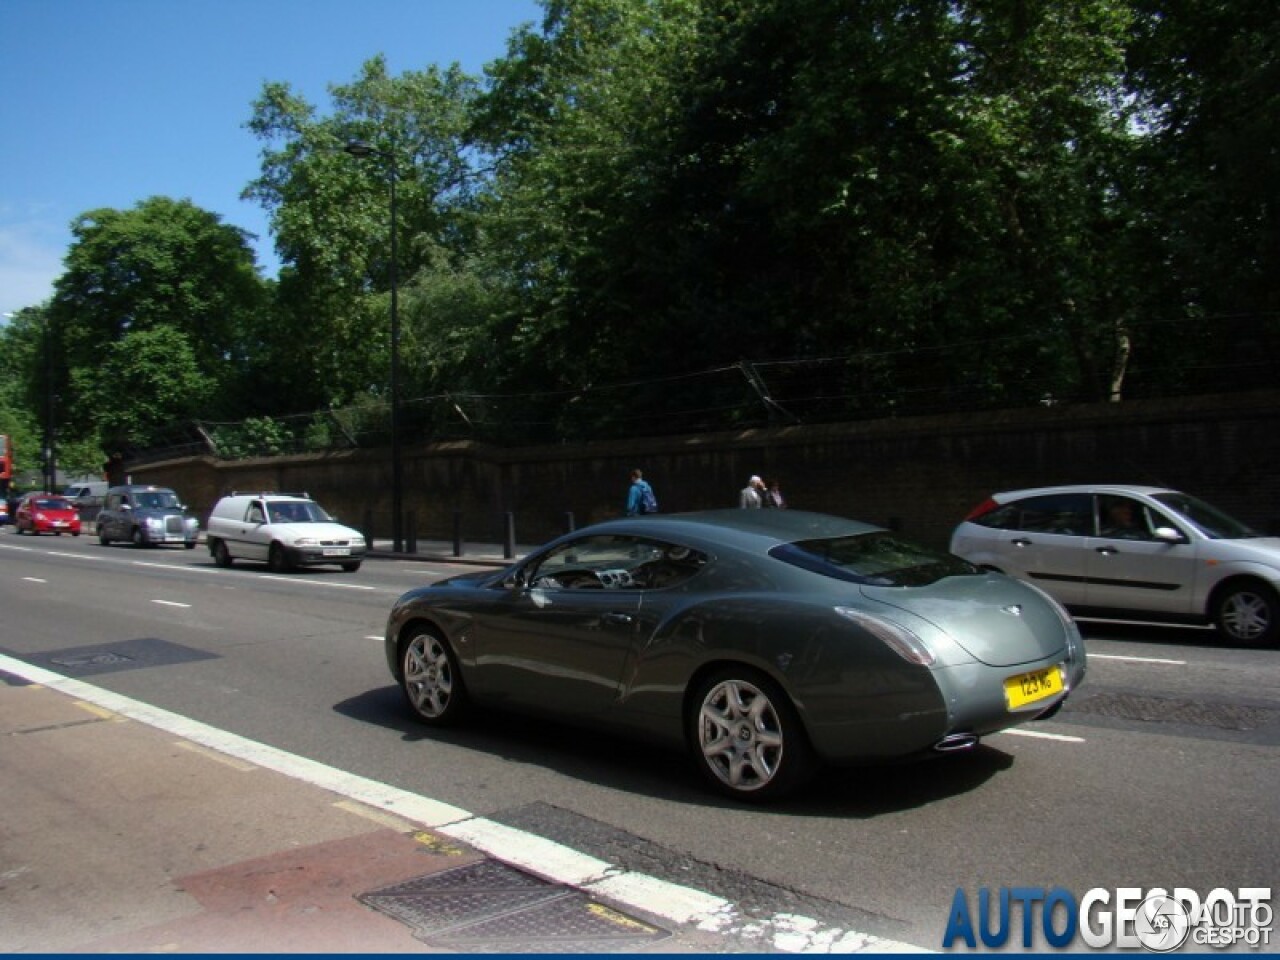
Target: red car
47 513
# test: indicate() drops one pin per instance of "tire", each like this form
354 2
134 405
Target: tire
278 560
1248 614
138 539
190 544
221 555
746 737
102 537
351 567
430 678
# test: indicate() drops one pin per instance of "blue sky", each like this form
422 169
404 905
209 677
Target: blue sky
104 103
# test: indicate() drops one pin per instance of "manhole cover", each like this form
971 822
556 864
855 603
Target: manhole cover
490 907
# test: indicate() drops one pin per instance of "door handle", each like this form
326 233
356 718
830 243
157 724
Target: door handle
1107 551
1021 542
618 619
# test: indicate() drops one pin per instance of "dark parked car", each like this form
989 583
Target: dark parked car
146 516
766 641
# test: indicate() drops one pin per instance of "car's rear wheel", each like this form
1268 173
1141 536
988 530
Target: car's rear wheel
351 567
221 555
430 677
1248 613
746 737
102 537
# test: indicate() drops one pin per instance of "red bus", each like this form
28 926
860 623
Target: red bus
6 476
6 462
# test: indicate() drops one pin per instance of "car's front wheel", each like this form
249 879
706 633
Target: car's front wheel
352 566
278 559
746 737
1248 613
430 677
139 538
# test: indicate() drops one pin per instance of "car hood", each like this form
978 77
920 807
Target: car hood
998 620
317 531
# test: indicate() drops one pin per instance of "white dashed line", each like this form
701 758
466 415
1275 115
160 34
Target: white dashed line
1116 656
172 603
1041 735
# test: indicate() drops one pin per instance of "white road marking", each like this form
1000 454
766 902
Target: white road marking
552 861
1041 735
1116 656
35 580
317 583
172 603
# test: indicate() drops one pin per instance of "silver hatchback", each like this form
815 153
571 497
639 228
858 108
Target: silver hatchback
1132 552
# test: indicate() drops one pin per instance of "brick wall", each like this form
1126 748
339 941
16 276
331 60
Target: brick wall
921 475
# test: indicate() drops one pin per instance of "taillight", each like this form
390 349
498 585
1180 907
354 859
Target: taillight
981 510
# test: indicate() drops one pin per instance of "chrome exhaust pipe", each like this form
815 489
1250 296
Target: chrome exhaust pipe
956 743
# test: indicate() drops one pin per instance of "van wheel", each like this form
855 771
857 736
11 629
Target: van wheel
278 560
221 555
138 539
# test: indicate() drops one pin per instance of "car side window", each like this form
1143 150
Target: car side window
1067 514
255 514
1123 518
616 563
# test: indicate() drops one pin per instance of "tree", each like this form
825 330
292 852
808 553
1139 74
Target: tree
164 267
329 211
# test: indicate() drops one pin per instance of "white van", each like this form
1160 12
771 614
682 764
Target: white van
88 494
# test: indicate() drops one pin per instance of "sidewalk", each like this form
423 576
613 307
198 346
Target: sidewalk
123 836
442 551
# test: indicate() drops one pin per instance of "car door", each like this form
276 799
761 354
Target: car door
1131 568
1043 539
249 537
560 639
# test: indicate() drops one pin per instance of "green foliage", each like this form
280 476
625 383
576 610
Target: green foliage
658 211
254 437
143 383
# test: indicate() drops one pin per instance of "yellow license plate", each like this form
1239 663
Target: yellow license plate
1029 687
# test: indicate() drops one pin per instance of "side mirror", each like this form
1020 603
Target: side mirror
1169 535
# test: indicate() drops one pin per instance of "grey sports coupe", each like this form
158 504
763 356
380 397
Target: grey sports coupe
767 641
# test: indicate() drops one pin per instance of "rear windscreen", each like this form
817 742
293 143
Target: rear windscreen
877 559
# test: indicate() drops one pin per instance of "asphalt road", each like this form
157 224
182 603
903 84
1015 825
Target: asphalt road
1161 772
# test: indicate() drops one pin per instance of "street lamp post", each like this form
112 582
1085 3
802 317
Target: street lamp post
363 149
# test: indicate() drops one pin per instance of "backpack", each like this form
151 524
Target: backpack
648 502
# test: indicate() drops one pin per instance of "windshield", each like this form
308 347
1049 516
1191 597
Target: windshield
1213 522
297 511
158 500
53 503
879 559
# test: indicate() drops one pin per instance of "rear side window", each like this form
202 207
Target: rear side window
877 559
1070 514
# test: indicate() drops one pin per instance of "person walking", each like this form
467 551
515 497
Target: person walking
640 496
773 495
752 495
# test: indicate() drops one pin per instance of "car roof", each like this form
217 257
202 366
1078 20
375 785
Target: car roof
763 528
139 488
1138 489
